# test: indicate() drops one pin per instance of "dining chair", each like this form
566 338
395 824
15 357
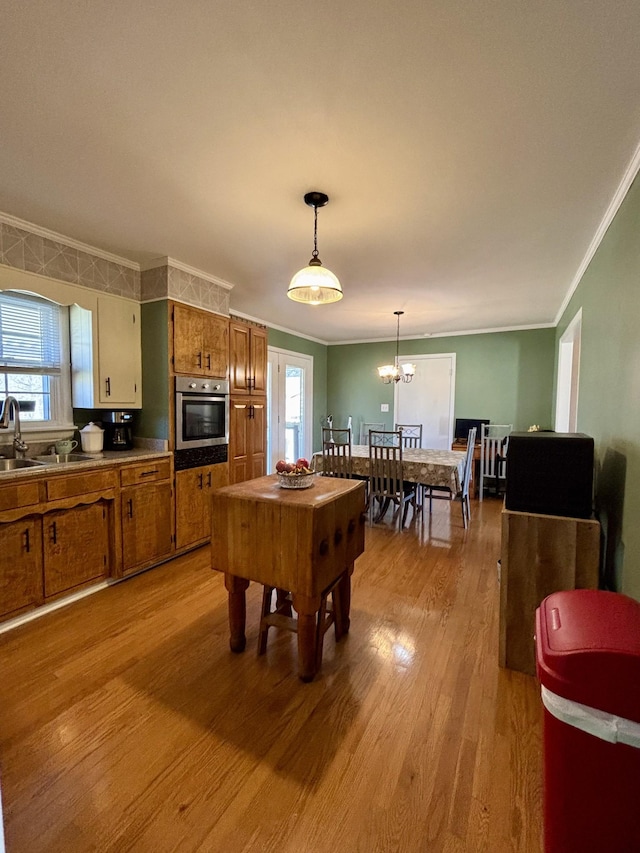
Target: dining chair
386 482
494 443
365 429
411 435
336 452
463 494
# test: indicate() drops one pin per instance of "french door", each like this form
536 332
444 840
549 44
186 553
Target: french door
289 406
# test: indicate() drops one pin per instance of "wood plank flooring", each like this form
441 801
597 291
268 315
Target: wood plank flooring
128 725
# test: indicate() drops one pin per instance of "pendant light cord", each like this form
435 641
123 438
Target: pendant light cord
314 254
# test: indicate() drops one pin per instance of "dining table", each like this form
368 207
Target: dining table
436 469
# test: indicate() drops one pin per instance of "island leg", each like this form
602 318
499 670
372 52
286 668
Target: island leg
237 587
307 610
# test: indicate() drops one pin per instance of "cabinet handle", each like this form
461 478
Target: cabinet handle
208 361
54 533
130 507
209 479
253 382
251 412
149 473
200 481
108 384
199 359
27 545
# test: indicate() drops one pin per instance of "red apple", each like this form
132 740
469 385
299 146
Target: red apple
289 467
302 463
281 466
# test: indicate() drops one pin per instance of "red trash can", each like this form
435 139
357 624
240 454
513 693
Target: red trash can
588 665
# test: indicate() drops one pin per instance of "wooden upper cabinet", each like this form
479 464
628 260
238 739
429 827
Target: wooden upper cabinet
247 358
200 342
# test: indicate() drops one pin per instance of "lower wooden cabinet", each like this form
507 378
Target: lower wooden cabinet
21 584
193 502
76 547
147 524
247 438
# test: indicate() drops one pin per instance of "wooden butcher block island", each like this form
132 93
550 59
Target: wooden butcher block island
299 540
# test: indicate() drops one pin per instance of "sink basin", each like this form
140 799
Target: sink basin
14 464
59 458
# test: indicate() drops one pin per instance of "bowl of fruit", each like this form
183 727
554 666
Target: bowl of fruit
294 475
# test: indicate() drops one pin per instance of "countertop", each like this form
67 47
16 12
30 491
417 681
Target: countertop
107 458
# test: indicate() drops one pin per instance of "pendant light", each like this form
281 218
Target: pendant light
396 372
315 284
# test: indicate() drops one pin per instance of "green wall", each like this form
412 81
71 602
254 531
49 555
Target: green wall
286 341
504 376
609 389
153 420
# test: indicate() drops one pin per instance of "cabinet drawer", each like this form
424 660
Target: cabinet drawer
147 472
20 494
80 484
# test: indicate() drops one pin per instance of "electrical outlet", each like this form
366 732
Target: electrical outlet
384 407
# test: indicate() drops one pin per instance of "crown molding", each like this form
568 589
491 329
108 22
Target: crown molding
426 337
619 196
67 241
166 261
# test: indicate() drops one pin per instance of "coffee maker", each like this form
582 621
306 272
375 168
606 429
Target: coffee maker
117 430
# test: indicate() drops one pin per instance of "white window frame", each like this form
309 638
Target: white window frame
61 422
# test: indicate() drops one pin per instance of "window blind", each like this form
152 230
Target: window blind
29 334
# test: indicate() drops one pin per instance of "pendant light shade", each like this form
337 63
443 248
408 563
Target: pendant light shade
315 284
396 372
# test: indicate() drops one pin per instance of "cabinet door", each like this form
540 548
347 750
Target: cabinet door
216 345
76 546
146 524
258 361
239 441
247 438
188 355
193 502
191 507
258 437
239 358
20 565
119 353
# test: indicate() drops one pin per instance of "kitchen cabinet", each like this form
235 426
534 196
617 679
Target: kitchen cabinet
193 502
247 438
106 355
247 358
200 342
21 585
76 547
146 514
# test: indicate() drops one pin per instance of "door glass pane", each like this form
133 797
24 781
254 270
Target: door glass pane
294 412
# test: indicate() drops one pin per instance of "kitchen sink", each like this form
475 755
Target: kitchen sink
59 458
14 464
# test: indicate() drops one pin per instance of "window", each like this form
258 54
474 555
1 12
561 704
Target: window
34 358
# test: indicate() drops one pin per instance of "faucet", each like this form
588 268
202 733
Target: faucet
19 446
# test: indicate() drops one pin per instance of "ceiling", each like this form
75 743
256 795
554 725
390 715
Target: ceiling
470 149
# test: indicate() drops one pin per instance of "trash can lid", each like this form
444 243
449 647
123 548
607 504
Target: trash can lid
588 649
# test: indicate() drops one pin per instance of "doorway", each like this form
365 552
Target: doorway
289 406
568 376
429 398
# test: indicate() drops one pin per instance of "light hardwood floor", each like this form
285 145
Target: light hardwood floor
128 725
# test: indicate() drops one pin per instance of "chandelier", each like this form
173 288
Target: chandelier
396 372
315 284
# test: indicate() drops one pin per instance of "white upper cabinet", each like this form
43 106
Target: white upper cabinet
106 355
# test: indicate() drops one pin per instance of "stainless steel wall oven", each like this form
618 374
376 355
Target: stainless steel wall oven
202 421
